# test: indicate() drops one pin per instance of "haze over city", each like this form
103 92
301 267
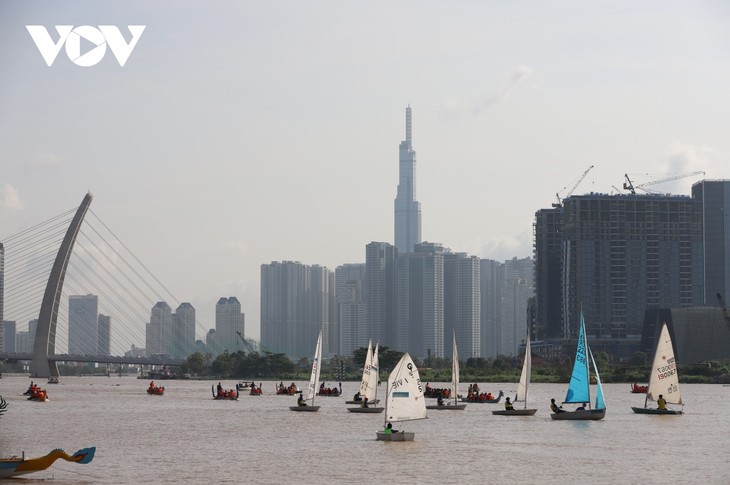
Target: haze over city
242 133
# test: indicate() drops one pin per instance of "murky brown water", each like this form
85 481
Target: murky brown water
186 436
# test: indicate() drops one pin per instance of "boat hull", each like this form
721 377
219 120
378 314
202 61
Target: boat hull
366 410
515 412
359 402
587 415
305 409
448 407
656 411
399 436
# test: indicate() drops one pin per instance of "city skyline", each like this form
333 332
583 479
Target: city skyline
290 154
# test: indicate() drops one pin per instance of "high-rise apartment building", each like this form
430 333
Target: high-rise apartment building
183 341
105 335
2 298
229 320
83 324
462 304
407 208
620 255
419 290
548 254
159 330
491 274
295 304
715 198
380 314
9 331
350 308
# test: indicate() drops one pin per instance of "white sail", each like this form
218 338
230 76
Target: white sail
526 372
405 401
365 382
314 379
455 372
664 378
374 375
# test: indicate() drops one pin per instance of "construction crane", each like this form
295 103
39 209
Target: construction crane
724 309
628 185
559 202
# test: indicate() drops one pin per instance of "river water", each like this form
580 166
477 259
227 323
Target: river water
186 436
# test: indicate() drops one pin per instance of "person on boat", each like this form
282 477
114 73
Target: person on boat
152 384
219 389
300 401
508 405
490 396
389 429
661 403
555 408
440 400
364 403
582 407
357 396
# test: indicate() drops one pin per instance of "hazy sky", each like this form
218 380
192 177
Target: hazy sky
240 133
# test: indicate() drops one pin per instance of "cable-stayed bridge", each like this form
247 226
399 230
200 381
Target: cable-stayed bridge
78 294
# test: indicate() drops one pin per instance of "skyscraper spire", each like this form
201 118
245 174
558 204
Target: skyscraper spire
408 126
407 208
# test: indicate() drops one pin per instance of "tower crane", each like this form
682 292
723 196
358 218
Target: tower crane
628 185
559 202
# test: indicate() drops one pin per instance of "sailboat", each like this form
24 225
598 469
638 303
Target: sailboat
404 400
369 384
454 384
579 391
522 386
313 380
664 379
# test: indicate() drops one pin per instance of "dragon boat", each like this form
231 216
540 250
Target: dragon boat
15 466
156 390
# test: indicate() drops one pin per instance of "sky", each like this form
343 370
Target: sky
239 133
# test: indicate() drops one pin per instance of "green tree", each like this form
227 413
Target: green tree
195 364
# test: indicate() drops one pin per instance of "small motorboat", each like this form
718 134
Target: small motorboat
15 466
54 380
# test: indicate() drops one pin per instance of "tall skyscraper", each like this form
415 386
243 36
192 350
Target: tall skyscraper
419 290
105 335
350 308
548 253
228 321
491 275
462 304
83 325
183 331
407 208
715 197
159 329
380 315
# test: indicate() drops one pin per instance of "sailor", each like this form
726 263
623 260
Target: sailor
389 429
582 407
661 403
508 405
357 396
364 402
300 401
555 408
440 400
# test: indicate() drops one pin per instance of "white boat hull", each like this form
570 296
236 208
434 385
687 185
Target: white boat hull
399 436
448 407
515 412
587 415
656 411
306 409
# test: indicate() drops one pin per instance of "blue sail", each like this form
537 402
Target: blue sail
579 388
600 403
